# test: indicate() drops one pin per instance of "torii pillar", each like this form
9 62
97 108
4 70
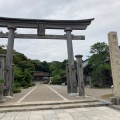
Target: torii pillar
71 66
9 61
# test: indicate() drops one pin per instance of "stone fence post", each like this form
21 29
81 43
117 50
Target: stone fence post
1 76
80 75
68 79
12 83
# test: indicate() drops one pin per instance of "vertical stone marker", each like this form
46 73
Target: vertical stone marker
115 62
68 79
80 75
1 76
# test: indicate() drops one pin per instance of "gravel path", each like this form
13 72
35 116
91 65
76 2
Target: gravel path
42 92
94 92
98 93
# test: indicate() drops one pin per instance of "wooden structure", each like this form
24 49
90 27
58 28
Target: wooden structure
41 25
38 75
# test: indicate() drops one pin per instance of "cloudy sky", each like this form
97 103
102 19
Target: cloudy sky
105 12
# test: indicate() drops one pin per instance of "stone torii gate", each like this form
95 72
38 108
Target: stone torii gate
41 25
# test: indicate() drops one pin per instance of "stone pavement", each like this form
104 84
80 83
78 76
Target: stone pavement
94 92
89 113
42 92
49 93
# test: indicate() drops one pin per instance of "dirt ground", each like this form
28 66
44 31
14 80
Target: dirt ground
101 93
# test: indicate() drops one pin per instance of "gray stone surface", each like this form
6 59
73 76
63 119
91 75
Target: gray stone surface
115 61
91 113
68 79
81 89
42 93
95 113
2 115
1 76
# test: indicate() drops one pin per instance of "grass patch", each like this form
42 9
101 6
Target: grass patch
107 96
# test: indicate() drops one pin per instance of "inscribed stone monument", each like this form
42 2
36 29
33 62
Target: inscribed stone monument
115 61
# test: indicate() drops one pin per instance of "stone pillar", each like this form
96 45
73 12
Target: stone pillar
1 76
9 61
68 80
90 81
115 62
73 83
11 92
80 75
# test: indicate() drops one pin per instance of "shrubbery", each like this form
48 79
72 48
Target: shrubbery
56 80
16 90
57 71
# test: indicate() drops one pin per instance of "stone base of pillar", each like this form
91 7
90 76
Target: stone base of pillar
115 100
81 95
3 100
8 97
73 94
118 101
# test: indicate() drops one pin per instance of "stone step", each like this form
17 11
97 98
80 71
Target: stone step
52 106
22 104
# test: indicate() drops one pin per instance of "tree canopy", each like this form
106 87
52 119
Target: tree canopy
24 68
99 64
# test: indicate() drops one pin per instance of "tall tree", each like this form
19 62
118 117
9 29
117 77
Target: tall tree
99 61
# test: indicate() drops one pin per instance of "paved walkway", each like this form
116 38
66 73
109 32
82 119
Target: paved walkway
42 92
90 113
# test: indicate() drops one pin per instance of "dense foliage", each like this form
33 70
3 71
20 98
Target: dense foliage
24 69
58 70
99 65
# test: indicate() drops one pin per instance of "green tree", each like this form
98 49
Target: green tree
2 50
99 64
17 73
27 77
25 64
18 57
55 68
99 48
45 66
62 73
17 78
